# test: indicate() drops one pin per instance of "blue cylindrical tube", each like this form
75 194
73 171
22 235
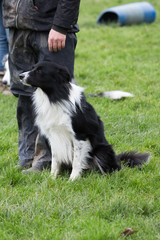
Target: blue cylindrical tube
128 14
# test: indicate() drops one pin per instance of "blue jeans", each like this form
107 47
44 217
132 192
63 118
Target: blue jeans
3 39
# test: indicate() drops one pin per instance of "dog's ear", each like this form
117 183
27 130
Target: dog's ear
64 75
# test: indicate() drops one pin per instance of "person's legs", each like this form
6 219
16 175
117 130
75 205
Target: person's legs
26 49
27 131
21 59
3 40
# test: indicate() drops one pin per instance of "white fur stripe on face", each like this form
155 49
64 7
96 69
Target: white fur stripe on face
25 76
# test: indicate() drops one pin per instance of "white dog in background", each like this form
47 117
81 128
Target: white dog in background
113 95
6 77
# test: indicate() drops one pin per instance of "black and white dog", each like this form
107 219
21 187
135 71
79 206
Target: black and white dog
71 125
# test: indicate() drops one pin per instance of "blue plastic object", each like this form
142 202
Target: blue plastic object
128 14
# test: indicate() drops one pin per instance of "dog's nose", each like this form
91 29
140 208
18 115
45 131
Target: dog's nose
21 76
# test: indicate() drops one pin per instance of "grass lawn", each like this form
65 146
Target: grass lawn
95 207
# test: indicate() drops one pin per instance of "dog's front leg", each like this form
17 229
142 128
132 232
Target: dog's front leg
77 163
55 167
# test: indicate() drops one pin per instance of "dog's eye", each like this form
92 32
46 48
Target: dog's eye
39 70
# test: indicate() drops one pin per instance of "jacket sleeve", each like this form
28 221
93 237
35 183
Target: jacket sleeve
66 15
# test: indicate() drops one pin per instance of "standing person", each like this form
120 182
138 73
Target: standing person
3 41
39 30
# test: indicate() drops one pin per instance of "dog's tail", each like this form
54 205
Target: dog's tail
132 159
107 161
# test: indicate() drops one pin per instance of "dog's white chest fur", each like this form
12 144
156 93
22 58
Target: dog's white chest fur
54 122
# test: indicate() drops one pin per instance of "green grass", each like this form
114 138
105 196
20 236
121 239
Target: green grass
94 207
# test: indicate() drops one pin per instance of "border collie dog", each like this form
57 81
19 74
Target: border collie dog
71 125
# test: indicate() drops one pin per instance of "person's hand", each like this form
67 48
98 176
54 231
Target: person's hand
56 41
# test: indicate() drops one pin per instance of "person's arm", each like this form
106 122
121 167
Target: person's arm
65 17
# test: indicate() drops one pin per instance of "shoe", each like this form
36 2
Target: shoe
27 163
30 170
38 167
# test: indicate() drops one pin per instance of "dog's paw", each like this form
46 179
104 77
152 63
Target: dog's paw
74 176
53 176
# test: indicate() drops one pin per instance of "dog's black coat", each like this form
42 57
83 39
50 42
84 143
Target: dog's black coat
55 81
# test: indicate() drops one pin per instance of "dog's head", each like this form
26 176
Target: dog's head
46 75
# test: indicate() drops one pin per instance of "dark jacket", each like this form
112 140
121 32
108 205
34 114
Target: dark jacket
41 15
